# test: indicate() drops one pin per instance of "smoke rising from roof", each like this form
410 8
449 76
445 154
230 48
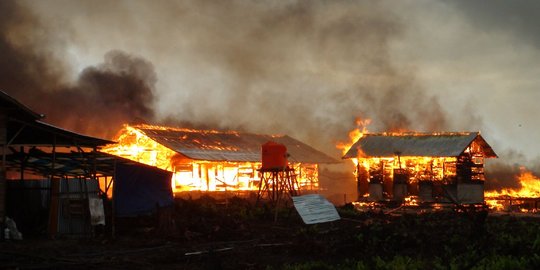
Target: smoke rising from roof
119 90
503 173
298 68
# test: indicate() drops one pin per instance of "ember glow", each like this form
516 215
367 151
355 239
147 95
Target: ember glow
199 175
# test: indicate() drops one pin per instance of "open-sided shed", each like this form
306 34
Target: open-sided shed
50 177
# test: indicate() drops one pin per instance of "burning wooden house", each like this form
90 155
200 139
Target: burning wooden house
210 160
432 166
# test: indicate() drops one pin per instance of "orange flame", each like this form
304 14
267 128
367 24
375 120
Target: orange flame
354 136
530 188
188 175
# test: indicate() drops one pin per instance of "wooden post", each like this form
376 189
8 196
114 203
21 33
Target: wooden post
358 182
54 193
113 211
3 143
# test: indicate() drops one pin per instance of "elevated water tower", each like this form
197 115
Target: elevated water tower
274 156
277 178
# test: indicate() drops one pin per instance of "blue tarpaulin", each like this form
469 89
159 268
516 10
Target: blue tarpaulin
141 189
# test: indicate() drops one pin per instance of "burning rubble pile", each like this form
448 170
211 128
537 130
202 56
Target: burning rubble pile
523 199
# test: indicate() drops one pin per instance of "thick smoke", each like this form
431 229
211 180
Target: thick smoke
503 173
303 68
24 67
520 19
506 26
119 90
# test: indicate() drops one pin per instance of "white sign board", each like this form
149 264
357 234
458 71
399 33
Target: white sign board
314 208
97 214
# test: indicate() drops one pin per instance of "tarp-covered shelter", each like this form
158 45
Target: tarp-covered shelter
396 165
141 190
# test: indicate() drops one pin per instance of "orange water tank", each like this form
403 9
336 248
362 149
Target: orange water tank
274 156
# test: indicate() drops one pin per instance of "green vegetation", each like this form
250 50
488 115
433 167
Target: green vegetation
442 240
205 233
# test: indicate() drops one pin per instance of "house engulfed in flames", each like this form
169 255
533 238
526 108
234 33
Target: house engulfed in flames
436 167
210 160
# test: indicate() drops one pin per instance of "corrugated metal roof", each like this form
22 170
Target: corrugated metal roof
417 144
16 109
72 164
229 146
37 133
24 128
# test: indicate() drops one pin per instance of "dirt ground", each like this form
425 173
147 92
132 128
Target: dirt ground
237 234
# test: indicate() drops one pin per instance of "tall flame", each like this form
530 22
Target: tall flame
354 136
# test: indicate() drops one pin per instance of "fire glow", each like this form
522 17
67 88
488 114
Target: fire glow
416 167
502 200
189 174
440 167
354 135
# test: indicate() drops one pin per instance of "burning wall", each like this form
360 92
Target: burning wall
209 160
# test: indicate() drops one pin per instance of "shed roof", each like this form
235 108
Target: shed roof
38 133
14 108
23 127
69 164
417 144
229 145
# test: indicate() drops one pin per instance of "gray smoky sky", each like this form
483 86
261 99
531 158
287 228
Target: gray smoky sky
303 68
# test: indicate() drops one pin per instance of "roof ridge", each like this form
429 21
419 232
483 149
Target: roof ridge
202 131
416 133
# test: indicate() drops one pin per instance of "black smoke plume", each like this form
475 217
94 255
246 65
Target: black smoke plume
119 90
